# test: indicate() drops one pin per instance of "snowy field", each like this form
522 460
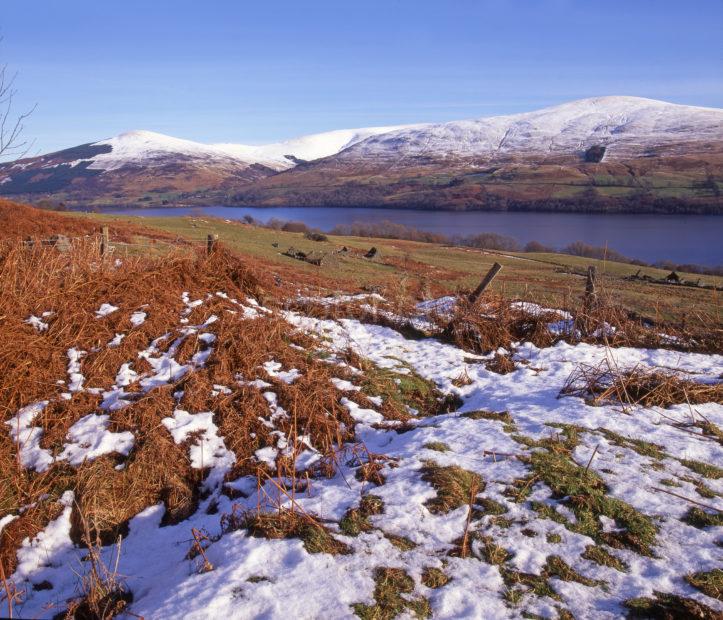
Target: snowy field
517 503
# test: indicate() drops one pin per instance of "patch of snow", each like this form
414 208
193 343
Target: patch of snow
37 323
105 310
27 437
208 451
273 369
90 438
138 318
75 377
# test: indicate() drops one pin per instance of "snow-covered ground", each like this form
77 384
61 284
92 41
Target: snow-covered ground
256 577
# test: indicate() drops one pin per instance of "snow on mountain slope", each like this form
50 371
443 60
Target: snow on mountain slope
627 126
145 147
314 146
148 148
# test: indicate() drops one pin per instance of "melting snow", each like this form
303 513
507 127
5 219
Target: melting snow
105 310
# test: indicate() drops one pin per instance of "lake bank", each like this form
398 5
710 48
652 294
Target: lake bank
693 239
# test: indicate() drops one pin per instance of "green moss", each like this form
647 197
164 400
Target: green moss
437 446
709 583
553 538
597 554
669 482
455 486
389 586
434 577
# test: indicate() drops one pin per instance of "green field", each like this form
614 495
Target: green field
425 269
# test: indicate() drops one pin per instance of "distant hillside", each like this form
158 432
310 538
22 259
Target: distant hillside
604 154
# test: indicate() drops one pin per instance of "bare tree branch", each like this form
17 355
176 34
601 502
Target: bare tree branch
12 125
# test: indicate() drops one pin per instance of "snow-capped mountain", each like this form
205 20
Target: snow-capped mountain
149 148
286 154
626 126
620 150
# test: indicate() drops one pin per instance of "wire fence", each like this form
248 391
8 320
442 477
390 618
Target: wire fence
107 246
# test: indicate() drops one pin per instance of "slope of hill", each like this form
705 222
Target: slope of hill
610 153
181 438
607 153
148 167
286 154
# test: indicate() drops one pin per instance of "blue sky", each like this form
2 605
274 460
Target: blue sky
260 71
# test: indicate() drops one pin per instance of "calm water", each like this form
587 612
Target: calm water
679 238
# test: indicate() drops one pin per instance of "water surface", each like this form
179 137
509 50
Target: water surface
696 239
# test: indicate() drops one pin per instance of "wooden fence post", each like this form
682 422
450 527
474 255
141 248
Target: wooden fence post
494 270
104 241
211 243
590 285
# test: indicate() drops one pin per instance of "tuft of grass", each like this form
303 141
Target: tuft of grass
520 488
704 469
701 488
517 581
258 579
400 542
455 486
483 414
484 506
638 386
501 364
553 538
598 554
491 552
371 471
401 391
290 524
434 577
699 518
555 566
709 583
356 520
665 606
644 448
437 446
390 584
585 493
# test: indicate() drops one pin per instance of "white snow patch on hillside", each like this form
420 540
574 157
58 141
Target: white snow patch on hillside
625 125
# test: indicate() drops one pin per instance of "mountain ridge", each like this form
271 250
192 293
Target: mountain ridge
606 151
